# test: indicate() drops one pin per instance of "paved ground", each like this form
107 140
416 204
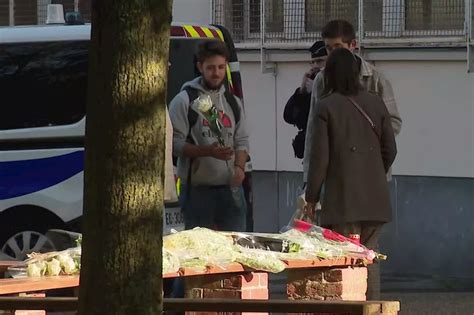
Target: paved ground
412 303
435 303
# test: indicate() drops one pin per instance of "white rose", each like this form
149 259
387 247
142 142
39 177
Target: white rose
204 103
34 270
67 263
54 267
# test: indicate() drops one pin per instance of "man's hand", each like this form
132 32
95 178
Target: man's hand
308 78
239 176
310 209
220 153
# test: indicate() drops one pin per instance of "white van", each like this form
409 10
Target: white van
43 80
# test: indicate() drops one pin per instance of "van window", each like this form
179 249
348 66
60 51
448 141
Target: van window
43 84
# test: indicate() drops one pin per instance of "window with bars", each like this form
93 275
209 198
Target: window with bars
243 18
289 20
413 18
34 12
23 12
434 14
4 12
319 12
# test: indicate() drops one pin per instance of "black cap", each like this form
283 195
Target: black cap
318 49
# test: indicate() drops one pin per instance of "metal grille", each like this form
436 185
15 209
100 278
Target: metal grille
471 24
297 21
319 12
34 12
414 18
470 46
436 15
241 18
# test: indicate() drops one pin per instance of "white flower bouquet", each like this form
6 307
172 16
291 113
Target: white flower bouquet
66 262
205 108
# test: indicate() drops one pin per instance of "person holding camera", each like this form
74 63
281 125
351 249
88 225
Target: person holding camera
297 108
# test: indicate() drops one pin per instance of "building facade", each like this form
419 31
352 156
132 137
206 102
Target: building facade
424 47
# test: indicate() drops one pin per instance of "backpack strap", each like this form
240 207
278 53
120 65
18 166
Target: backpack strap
193 94
230 98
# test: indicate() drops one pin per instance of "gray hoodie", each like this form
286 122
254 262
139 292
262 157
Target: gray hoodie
206 170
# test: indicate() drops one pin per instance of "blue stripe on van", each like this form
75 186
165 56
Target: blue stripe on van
18 178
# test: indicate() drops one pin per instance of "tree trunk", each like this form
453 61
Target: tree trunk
124 158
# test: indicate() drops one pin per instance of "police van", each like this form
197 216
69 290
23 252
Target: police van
43 82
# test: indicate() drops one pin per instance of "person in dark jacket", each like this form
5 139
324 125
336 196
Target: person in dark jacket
297 108
352 149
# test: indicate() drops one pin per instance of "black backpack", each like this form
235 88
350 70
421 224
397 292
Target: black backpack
299 143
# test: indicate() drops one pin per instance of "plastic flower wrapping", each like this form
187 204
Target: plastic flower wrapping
66 262
200 248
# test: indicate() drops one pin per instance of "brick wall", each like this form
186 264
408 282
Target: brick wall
349 284
251 285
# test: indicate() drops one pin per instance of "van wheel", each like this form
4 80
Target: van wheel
25 242
23 231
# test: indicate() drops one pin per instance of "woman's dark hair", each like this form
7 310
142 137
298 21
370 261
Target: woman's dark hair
341 73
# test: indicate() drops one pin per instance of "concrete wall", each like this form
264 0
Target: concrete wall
437 106
196 11
429 242
435 99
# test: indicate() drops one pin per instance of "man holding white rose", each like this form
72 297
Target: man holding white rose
211 173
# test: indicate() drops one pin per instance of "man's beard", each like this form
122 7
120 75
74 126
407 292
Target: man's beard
211 86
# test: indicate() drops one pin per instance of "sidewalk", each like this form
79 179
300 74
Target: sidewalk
412 303
435 303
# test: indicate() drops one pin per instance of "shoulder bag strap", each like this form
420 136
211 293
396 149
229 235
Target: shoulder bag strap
365 115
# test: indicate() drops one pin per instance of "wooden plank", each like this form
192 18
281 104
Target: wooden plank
290 264
49 304
20 285
338 262
390 307
213 305
4 264
274 305
235 267
12 286
231 268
